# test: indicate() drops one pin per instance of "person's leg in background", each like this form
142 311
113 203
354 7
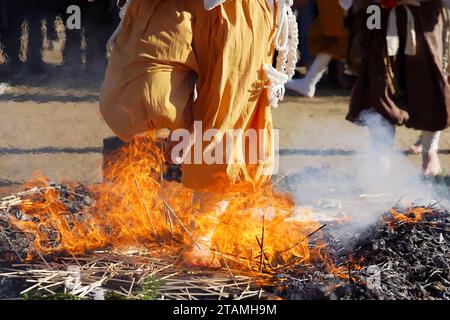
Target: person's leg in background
430 160
416 147
97 23
382 139
34 18
427 144
11 36
49 15
306 14
327 39
306 86
72 53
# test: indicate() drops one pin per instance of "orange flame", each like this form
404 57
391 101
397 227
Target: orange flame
411 215
133 208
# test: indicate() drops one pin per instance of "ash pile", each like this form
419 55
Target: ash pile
406 255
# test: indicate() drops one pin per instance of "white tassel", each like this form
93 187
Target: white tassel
277 81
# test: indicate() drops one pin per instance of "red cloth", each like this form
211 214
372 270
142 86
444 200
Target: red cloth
388 4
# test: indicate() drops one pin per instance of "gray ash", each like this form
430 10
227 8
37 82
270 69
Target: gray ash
399 260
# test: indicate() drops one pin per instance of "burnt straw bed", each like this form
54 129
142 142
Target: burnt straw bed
402 256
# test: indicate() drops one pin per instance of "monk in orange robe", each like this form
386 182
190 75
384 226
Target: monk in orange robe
177 62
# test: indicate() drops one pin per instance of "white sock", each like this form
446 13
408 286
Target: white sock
307 85
317 69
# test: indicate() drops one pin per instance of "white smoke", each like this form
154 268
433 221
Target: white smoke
363 176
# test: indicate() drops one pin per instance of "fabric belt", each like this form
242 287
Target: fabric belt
392 37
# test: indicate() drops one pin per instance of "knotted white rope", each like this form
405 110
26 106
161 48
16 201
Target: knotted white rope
286 43
122 12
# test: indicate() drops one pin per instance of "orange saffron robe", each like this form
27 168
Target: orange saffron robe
166 49
327 34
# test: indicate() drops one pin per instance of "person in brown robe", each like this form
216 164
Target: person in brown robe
404 82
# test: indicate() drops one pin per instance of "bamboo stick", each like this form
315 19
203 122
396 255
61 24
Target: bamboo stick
145 207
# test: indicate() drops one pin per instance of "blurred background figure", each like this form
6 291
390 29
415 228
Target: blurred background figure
30 28
35 15
20 18
325 39
85 49
72 52
306 14
405 82
98 21
12 17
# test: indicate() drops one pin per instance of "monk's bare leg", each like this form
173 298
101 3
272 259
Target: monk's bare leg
430 161
206 220
382 136
416 148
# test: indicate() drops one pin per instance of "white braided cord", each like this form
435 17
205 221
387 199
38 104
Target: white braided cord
286 43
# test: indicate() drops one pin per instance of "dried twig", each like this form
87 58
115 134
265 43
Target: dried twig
145 207
305 238
226 264
179 221
262 245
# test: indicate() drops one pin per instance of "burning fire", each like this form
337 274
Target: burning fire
134 207
258 229
411 215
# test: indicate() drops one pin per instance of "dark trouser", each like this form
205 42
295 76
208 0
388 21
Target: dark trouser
35 42
305 17
12 31
95 22
72 53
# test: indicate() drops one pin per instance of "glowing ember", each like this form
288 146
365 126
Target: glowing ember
410 215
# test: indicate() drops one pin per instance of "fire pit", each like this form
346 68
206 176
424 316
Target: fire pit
126 238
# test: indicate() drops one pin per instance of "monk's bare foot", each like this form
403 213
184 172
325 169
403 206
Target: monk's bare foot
416 148
431 164
200 254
